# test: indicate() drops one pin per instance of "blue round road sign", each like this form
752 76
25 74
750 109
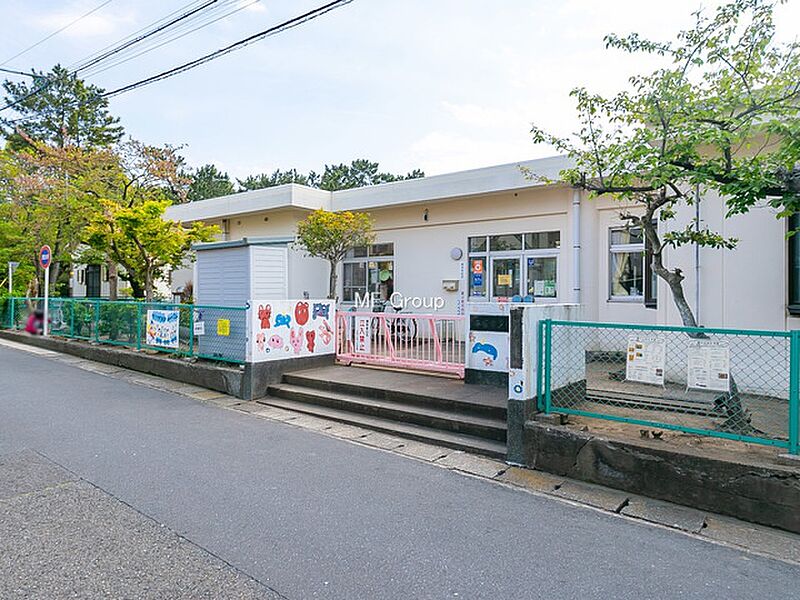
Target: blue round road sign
45 256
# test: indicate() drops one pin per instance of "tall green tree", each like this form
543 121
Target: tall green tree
209 182
58 109
722 116
277 177
329 235
358 173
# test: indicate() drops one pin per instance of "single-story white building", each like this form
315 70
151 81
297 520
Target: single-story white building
493 233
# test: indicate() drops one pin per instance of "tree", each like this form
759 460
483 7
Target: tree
151 173
329 235
723 116
277 177
209 182
48 195
358 173
59 109
142 241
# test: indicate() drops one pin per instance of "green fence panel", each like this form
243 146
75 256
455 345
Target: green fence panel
211 332
728 383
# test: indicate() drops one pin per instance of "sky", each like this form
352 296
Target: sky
441 85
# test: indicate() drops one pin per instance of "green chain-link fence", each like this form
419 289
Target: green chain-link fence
210 332
727 383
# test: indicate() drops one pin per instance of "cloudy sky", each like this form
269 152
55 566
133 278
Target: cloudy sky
441 85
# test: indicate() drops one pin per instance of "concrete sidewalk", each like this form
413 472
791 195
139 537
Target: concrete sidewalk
62 537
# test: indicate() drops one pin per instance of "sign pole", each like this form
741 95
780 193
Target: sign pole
46 299
45 258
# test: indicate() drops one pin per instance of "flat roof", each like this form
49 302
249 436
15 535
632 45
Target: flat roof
245 241
474 182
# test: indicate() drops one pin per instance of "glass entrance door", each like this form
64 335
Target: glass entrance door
505 277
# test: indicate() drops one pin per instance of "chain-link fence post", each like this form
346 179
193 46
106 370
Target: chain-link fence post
191 330
548 356
794 391
138 325
540 365
12 321
97 321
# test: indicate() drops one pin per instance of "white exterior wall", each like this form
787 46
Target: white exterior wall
422 248
78 289
741 288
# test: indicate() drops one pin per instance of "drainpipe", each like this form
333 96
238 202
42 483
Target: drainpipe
576 246
697 254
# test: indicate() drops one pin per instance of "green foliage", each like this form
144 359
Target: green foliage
142 241
64 111
209 182
329 235
722 115
278 177
358 173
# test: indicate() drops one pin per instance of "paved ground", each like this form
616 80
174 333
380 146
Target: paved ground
304 514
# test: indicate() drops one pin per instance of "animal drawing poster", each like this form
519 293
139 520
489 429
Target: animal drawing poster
292 329
163 328
487 351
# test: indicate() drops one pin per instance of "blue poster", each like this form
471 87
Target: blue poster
477 279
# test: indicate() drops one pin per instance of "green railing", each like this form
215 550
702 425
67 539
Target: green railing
727 383
209 332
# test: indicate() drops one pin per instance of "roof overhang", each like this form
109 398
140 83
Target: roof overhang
462 184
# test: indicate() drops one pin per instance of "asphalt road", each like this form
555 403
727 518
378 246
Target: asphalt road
310 516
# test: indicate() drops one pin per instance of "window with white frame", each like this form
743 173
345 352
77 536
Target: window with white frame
516 264
368 269
626 263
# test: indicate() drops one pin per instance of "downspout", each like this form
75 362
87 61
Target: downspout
697 254
576 246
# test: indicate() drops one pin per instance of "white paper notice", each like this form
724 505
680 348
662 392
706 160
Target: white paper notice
709 366
645 360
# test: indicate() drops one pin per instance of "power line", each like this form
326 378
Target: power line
44 39
177 34
134 34
15 72
144 36
96 59
286 25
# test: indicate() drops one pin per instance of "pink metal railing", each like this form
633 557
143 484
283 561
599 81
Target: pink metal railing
402 340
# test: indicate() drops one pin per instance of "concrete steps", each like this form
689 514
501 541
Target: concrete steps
424 408
412 391
467 443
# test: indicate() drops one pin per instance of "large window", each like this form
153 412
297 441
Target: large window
794 266
368 269
515 264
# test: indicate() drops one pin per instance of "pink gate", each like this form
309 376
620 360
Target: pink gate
402 340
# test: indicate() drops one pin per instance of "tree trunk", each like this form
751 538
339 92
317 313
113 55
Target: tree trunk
55 271
148 285
113 279
136 288
737 418
332 281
